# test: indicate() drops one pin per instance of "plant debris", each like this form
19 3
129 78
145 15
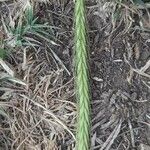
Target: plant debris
37 98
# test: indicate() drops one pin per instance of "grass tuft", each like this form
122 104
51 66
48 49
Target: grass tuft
26 31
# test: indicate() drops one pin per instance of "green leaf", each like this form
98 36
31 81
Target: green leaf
141 2
29 15
19 28
2 53
34 21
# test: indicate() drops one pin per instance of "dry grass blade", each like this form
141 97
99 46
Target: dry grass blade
6 68
59 60
144 68
3 0
139 71
107 145
51 114
6 77
93 140
131 133
43 1
15 80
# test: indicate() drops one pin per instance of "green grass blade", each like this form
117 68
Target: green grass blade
29 15
2 53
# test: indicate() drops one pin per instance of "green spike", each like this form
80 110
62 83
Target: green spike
82 78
